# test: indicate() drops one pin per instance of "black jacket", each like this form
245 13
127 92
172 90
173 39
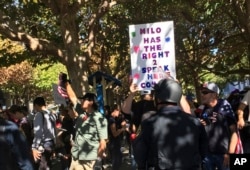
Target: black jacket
170 139
14 149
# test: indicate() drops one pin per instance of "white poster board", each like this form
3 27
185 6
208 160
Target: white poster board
152 53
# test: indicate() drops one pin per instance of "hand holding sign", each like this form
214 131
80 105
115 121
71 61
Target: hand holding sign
133 88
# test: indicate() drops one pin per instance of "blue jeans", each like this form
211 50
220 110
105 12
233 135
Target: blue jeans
213 161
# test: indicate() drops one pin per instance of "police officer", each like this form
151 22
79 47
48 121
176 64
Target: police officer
170 139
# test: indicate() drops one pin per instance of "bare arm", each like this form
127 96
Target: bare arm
102 148
185 105
234 138
127 104
71 93
241 122
232 144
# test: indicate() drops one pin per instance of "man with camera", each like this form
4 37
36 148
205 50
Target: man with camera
218 118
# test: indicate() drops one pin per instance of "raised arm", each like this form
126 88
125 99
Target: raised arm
240 112
71 93
127 104
185 105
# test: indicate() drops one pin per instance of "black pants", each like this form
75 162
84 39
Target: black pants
45 162
116 154
245 138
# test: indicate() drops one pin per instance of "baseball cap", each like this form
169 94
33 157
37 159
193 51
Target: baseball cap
212 87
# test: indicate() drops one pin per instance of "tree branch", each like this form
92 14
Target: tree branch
243 16
102 10
11 31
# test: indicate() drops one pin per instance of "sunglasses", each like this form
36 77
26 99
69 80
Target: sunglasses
206 92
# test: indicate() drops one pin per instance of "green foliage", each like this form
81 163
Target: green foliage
10 52
45 75
212 37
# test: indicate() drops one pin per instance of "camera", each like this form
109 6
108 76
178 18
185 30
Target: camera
205 116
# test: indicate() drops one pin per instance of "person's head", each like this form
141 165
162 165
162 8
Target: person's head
107 110
167 92
89 102
24 110
209 93
146 95
63 112
4 113
16 112
116 111
39 103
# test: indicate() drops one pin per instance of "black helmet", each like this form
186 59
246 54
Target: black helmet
168 91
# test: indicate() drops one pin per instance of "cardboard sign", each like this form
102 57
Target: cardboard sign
152 51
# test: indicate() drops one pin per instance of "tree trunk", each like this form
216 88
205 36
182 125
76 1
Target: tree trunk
75 63
78 74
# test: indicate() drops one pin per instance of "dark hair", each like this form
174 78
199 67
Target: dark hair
116 107
39 101
24 110
91 97
14 109
107 107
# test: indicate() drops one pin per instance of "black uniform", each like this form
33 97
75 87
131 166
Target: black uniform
171 139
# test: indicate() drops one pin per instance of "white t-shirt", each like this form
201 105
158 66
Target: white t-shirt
246 101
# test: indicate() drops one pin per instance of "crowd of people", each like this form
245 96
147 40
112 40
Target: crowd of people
162 130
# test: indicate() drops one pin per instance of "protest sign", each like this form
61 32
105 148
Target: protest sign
152 52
